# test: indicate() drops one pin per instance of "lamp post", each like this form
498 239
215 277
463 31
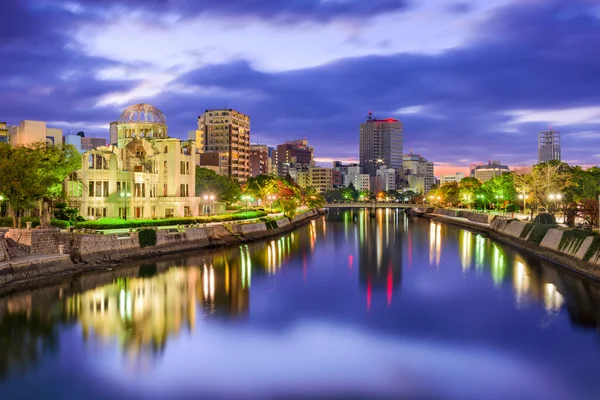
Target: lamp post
556 198
247 199
125 197
271 199
209 199
524 197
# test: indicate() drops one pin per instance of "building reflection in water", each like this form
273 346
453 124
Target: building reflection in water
521 283
380 255
142 312
466 250
435 244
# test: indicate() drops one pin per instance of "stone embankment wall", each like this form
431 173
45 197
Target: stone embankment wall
89 247
39 241
3 248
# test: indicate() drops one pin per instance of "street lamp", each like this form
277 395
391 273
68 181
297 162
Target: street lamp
207 199
271 199
247 199
125 196
524 198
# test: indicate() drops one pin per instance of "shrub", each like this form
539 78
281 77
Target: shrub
57 223
511 208
545 219
8 221
147 237
538 232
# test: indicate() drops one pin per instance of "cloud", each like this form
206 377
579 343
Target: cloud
272 10
503 71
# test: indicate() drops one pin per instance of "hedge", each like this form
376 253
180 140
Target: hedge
8 222
147 237
114 223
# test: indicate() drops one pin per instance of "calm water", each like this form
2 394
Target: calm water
347 307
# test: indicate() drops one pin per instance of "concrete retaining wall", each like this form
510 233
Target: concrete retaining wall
471 216
448 213
551 240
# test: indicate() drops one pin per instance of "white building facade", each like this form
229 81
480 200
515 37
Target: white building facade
147 175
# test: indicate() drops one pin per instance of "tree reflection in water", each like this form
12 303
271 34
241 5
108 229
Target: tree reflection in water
24 339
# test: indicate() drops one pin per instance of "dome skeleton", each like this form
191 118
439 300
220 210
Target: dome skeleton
142 113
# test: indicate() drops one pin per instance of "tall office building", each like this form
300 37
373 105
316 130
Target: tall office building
548 146
380 144
295 153
226 131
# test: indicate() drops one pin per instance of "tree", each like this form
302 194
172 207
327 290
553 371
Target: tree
222 187
261 186
467 190
56 164
34 174
546 179
500 189
315 201
449 192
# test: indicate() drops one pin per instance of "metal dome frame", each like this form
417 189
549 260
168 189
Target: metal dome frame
142 112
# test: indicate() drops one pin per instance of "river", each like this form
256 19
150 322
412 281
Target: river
346 307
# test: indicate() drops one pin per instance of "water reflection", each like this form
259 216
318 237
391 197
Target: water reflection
380 265
142 307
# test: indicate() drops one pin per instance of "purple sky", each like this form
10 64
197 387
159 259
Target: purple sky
471 80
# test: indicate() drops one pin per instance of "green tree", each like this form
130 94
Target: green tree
222 187
500 189
261 186
467 190
34 175
449 192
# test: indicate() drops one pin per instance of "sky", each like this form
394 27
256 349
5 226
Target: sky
471 80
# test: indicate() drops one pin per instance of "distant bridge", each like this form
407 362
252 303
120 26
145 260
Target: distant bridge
371 205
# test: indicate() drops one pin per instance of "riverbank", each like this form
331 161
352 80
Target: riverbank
45 255
571 249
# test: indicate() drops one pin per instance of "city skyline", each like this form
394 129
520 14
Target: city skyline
437 83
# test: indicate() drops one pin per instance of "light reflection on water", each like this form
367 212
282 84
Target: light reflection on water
426 294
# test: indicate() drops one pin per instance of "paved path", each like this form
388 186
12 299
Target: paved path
35 258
